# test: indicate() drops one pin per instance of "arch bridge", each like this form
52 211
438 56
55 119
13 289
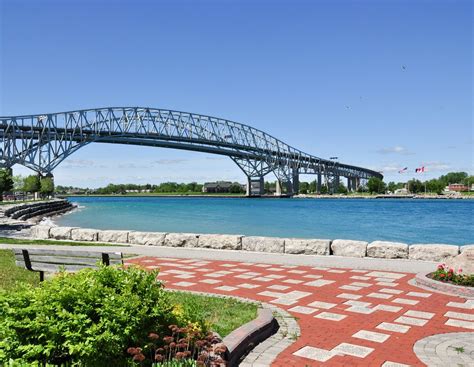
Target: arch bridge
41 142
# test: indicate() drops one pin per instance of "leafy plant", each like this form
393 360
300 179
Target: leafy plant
83 319
445 274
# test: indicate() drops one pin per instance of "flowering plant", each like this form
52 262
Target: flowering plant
446 274
184 347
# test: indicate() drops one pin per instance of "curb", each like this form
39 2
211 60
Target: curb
421 279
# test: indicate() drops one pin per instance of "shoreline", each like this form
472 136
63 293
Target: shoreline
300 196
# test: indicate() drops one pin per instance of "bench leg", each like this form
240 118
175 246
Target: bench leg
41 276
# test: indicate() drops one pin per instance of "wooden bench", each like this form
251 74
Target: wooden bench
53 261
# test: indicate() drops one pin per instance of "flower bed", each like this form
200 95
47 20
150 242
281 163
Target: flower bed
449 275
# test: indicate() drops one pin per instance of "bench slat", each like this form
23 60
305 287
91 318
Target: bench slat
70 253
55 268
69 260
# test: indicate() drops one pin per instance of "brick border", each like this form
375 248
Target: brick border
422 279
259 341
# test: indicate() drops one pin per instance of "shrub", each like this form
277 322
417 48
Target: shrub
84 319
444 274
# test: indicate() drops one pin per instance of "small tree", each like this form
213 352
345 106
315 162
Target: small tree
6 182
32 184
46 186
376 185
341 189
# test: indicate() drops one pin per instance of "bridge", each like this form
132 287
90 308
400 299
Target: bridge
41 142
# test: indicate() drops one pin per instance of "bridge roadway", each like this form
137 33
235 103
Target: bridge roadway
42 142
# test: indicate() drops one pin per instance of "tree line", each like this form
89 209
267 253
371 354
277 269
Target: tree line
28 184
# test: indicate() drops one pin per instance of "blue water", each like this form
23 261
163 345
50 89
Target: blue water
409 221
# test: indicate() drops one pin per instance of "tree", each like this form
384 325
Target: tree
18 183
6 182
392 186
434 185
46 186
453 177
324 189
32 184
304 188
341 189
415 186
376 185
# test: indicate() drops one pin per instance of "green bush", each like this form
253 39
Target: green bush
84 319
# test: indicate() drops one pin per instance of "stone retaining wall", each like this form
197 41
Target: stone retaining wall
43 208
337 247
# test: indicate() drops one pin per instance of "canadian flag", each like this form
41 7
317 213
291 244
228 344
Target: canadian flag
420 169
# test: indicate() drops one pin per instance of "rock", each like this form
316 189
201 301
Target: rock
432 252
387 250
220 241
465 247
40 232
307 246
263 244
182 240
61 233
464 261
349 248
113 236
147 238
84 234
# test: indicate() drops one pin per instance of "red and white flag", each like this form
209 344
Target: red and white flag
420 169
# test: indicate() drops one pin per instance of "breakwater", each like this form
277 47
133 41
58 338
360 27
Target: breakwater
324 247
38 210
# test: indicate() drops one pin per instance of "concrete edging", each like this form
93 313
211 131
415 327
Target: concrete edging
303 246
422 279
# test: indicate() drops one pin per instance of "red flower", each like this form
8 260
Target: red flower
442 275
139 357
158 357
179 355
168 339
440 267
153 336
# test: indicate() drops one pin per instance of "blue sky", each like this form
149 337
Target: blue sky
380 84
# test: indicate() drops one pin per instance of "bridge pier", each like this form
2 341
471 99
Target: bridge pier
318 183
255 186
349 184
278 190
295 183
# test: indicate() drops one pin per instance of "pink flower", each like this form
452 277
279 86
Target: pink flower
460 270
440 267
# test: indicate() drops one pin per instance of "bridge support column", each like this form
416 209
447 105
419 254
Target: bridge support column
349 184
295 183
335 185
255 186
278 188
318 183
356 183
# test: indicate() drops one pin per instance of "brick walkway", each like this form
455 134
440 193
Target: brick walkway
347 317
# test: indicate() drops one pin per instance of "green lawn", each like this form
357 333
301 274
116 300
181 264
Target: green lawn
224 314
11 275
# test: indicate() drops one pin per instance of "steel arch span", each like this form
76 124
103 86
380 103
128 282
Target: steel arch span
41 142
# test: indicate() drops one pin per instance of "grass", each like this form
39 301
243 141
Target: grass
152 194
18 241
224 314
11 275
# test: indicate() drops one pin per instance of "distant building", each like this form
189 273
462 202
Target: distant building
220 186
403 191
458 187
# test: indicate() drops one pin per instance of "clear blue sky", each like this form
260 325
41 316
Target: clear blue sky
381 84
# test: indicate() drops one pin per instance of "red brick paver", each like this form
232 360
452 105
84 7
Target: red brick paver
347 317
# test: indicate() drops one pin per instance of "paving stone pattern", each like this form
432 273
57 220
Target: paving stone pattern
374 322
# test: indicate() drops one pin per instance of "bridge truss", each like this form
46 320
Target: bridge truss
42 142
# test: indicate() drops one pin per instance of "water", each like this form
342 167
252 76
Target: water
409 221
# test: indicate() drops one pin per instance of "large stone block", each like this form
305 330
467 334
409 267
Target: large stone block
84 234
147 238
387 250
61 233
307 246
113 236
432 252
464 261
465 247
220 241
263 244
349 248
182 240
40 232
